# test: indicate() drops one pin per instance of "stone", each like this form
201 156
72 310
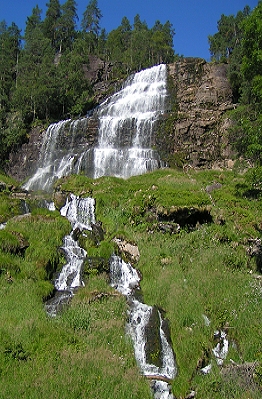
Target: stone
130 250
203 95
25 161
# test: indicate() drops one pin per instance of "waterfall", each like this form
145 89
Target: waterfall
127 123
146 326
162 368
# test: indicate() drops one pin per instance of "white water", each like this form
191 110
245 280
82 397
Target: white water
81 214
54 160
125 137
134 111
70 276
126 279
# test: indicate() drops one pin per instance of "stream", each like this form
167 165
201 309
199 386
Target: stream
146 326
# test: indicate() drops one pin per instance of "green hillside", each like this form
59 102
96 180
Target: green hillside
207 268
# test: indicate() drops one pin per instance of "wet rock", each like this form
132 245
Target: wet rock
59 198
153 340
97 232
58 302
95 264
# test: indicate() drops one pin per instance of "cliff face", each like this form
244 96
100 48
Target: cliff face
199 128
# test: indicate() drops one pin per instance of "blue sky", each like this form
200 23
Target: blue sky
192 20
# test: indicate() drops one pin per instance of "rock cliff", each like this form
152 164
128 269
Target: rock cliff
195 132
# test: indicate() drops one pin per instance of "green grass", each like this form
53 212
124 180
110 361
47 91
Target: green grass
203 270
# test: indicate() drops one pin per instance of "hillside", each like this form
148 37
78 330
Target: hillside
210 267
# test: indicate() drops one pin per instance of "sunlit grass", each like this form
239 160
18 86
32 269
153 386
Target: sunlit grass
203 270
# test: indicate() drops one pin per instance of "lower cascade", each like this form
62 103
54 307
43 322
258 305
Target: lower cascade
80 213
148 330
127 123
146 325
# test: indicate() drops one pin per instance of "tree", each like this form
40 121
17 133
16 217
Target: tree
36 61
33 22
252 54
74 90
229 35
162 42
138 24
68 22
91 18
247 131
10 46
51 24
11 128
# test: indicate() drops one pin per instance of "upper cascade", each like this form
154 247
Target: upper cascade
127 121
125 136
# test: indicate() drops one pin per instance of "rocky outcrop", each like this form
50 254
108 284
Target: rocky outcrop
100 73
201 96
130 251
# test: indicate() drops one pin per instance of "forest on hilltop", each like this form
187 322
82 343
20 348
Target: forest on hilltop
42 77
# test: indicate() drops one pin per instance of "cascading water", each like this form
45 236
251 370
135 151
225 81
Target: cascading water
125 279
127 121
81 214
60 154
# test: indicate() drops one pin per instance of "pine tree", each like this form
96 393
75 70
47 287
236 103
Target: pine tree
68 22
51 24
91 18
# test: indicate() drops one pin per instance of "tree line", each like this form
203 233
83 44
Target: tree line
238 41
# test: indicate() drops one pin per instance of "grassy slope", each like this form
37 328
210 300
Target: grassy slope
202 271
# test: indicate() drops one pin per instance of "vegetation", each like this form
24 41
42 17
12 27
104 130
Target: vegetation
239 42
205 269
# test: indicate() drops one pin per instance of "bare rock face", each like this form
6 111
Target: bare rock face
203 95
23 162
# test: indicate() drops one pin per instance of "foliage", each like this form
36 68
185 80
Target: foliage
141 47
229 35
239 41
91 18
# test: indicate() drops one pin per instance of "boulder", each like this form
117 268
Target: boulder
131 251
